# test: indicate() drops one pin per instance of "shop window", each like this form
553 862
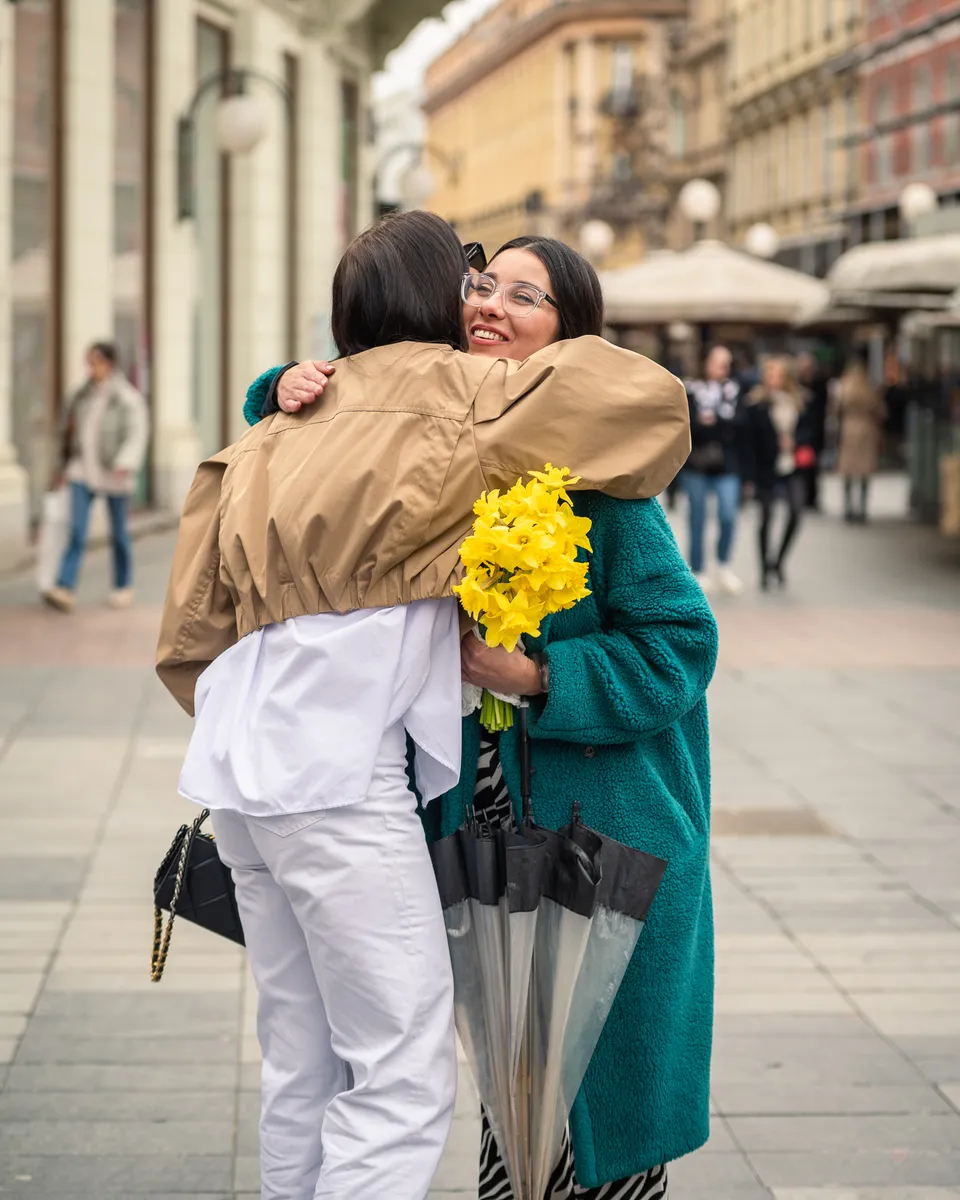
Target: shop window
677 128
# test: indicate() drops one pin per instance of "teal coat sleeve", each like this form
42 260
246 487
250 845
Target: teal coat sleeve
655 653
257 394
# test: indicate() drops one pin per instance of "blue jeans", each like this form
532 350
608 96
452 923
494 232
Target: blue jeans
81 498
698 487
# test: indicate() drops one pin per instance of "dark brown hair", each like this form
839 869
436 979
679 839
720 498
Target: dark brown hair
399 281
573 281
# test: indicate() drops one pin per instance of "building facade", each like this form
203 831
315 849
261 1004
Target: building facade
697 140
92 242
907 70
790 107
548 114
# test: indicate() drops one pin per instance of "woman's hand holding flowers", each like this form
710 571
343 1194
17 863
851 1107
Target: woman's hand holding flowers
497 669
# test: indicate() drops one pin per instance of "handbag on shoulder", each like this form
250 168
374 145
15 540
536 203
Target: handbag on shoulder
192 882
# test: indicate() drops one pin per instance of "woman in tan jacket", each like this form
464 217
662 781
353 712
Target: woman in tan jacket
311 627
861 411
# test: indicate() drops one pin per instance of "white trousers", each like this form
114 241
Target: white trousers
355 1018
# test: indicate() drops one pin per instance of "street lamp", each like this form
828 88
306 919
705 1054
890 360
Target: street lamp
762 240
596 238
241 123
417 182
699 202
917 200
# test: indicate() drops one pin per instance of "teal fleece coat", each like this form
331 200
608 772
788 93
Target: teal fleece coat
624 730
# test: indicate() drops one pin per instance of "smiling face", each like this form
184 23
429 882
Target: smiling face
498 334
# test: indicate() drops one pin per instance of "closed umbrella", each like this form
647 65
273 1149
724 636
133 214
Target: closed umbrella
541 926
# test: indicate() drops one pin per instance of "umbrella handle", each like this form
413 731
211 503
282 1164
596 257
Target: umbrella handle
524 735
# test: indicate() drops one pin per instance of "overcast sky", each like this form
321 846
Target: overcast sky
405 66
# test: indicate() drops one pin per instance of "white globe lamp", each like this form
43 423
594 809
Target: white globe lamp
596 238
241 123
417 185
699 201
762 240
916 200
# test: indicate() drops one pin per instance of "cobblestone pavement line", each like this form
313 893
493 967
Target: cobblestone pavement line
836 849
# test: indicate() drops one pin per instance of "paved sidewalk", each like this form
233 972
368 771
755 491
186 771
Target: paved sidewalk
836 876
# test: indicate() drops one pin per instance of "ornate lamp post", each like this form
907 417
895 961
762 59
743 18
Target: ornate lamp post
241 124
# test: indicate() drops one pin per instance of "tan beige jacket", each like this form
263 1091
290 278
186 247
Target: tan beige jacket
363 500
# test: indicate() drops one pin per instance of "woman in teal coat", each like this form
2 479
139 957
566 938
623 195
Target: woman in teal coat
622 727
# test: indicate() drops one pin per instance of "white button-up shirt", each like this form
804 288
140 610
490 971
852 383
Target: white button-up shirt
291 718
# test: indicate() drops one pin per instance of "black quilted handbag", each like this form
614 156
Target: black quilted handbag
194 884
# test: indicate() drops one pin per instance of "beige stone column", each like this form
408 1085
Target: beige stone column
321 239
13 477
176 445
258 214
88 180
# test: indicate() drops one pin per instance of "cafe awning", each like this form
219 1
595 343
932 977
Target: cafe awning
927 267
709 283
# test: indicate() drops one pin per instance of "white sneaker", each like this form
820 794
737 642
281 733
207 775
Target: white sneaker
729 582
706 583
61 598
120 598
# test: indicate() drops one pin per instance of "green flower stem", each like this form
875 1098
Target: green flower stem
496 716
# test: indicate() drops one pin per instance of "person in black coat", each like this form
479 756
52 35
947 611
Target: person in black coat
776 426
810 453
714 464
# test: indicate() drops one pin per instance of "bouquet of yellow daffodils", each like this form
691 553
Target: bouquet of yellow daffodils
521 565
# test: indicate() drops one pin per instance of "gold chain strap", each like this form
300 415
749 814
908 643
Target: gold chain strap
161 936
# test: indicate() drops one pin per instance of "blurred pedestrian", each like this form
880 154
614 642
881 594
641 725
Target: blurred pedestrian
861 412
775 425
713 467
810 455
103 443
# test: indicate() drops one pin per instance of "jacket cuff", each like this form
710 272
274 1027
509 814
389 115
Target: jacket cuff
261 399
270 404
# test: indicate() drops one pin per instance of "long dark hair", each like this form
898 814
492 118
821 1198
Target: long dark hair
399 281
574 284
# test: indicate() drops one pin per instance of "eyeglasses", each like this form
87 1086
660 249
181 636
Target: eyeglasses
519 299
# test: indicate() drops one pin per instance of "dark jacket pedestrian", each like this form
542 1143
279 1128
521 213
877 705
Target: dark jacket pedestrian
714 464
776 424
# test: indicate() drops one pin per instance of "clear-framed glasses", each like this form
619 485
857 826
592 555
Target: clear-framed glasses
519 299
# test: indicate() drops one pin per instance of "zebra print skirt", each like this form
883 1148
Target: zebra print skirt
491 804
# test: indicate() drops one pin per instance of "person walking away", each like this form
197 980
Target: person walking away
810 454
861 412
713 467
103 443
776 423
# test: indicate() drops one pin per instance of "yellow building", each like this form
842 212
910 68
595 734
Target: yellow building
789 108
548 114
697 131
